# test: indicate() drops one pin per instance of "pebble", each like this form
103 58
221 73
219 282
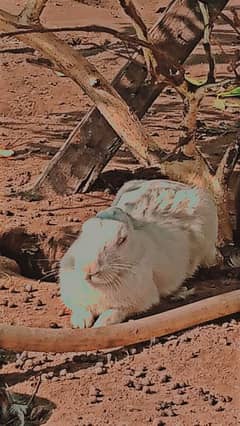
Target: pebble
28 288
146 382
55 379
28 363
19 363
5 302
138 386
93 400
71 376
161 368
44 377
100 370
129 383
165 379
3 287
157 422
54 325
39 302
220 408
146 389
13 290
139 373
63 372
109 358
12 305
93 391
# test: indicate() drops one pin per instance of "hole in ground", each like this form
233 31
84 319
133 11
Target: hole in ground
37 255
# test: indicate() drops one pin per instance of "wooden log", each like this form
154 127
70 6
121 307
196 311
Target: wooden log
82 158
19 338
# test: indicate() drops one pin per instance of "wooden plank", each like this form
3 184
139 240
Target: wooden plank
82 157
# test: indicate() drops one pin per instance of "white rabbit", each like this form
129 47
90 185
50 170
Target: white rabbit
154 236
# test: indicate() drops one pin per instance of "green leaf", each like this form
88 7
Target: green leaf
196 82
219 104
231 93
6 153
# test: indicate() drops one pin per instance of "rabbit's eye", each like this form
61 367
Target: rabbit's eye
121 240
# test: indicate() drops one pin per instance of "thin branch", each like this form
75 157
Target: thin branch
230 22
172 72
228 162
206 41
141 31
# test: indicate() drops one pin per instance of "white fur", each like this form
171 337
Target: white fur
171 229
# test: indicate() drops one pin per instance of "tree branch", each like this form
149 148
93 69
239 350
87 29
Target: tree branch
108 101
20 338
173 73
141 31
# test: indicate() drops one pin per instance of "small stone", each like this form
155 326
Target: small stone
157 422
12 305
146 382
129 383
93 391
54 325
55 379
19 363
44 377
146 389
27 299
139 373
70 376
138 386
171 412
39 302
28 364
181 391
99 364
161 368
50 374
220 408
13 290
3 287
5 302
166 378
28 288
100 370
109 358
63 372
93 400
132 351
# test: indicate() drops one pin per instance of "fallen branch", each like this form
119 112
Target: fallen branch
19 338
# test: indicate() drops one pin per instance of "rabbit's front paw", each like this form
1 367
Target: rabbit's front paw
81 318
111 316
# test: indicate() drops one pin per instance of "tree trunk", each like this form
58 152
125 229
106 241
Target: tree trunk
81 159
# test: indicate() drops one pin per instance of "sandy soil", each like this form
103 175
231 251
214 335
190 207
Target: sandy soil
191 378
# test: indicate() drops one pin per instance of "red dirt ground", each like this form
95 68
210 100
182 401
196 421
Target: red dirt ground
191 378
